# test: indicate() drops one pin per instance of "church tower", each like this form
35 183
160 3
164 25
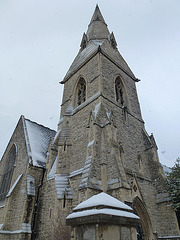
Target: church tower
101 144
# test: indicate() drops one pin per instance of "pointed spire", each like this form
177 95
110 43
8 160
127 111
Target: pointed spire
97 28
97 16
113 41
84 42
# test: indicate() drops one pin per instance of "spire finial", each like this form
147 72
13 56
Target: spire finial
97 28
97 16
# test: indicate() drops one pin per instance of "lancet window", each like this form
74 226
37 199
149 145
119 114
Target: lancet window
120 96
7 175
81 91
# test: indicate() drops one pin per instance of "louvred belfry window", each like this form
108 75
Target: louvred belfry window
119 91
7 174
81 91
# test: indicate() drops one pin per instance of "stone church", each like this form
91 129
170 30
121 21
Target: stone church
101 162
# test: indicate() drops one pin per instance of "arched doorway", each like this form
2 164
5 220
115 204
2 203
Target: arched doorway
145 229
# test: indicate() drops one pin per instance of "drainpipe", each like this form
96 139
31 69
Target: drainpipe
33 235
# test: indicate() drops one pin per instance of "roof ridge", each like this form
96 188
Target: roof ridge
39 124
37 138
28 145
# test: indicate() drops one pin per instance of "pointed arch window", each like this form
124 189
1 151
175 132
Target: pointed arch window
8 172
120 94
81 91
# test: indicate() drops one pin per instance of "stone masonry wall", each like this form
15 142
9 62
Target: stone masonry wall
125 133
12 213
129 134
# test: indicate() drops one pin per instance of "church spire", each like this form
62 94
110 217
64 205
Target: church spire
97 28
97 16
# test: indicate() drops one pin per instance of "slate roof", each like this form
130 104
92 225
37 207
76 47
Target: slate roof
37 141
82 57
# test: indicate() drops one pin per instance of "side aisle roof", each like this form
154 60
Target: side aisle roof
37 140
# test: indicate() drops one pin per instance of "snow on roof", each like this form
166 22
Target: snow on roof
14 185
83 56
105 211
102 204
76 172
102 199
92 49
37 139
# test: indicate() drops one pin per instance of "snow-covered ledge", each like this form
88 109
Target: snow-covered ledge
105 217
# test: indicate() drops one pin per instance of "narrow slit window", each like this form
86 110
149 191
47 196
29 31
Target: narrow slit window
65 145
125 115
64 199
139 162
119 91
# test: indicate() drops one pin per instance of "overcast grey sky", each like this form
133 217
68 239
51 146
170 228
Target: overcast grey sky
40 38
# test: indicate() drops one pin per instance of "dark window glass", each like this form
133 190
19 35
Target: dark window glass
119 91
7 175
81 91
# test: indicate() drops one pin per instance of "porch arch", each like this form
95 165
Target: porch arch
141 211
